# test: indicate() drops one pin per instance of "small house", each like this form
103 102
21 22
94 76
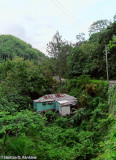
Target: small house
57 102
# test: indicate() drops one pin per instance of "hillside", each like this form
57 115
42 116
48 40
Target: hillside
11 47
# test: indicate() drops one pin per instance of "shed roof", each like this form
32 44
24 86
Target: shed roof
62 102
57 97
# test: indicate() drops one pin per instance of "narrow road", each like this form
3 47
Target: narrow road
112 83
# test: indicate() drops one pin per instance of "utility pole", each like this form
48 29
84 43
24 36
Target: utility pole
106 62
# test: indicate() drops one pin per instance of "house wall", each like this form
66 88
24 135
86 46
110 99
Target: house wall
47 106
57 106
65 110
34 105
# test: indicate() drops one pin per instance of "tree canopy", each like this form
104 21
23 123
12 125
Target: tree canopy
11 46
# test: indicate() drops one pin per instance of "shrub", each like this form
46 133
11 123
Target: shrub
50 115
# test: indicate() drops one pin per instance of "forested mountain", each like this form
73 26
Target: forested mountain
11 47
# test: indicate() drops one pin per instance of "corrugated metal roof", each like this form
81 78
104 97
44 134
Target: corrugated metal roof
62 102
57 97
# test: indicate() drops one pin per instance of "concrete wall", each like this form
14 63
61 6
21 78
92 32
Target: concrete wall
65 110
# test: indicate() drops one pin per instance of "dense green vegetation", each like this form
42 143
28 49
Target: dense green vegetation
86 56
108 145
79 136
26 74
22 81
11 47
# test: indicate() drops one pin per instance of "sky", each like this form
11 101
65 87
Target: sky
36 21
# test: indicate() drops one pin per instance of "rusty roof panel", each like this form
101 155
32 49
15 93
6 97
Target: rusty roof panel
57 97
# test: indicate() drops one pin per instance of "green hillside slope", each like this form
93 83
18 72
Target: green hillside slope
11 47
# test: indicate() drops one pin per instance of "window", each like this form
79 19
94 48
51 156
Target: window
44 103
49 102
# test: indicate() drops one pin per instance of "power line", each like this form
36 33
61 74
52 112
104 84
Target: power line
68 11
55 3
61 8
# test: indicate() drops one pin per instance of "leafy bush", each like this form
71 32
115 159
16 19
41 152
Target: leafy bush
108 146
50 115
112 100
21 146
63 122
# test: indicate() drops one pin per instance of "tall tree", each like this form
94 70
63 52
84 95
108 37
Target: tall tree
114 17
81 38
99 26
112 57
59 50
